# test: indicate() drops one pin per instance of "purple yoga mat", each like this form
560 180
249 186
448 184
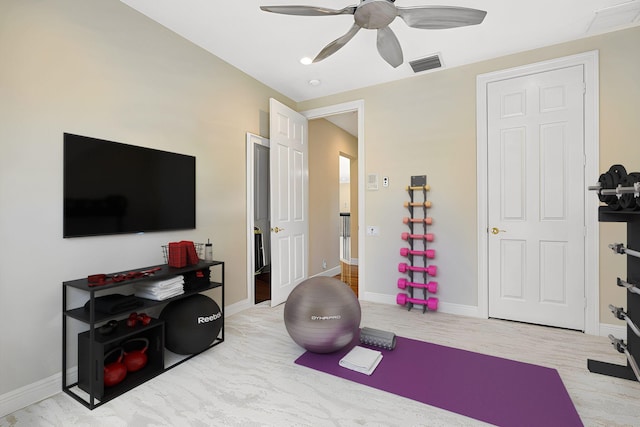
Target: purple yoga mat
491 389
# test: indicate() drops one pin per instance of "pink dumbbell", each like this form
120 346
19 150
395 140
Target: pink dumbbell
428 220
431 286
403 267
429 253
427 237
431 303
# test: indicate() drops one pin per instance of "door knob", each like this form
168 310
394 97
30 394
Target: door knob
276 230
496 230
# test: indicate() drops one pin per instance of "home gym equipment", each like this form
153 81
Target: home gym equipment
135 358
431 270
428 220
322 314
116 371
429 253
432 287
191 324
618 189
620 249
619 345
417 256
425 187
612 186
630 287
431 303
426 204
622 315
378 338
428 237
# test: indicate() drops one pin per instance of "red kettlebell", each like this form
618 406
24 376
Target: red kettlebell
114 372
135 360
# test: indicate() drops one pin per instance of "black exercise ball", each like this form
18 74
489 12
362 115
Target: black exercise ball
191 324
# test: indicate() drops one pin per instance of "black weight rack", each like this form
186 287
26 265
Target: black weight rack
418 206
632 218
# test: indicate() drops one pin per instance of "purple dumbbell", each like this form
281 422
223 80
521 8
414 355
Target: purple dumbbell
431 286
427 237
431 270
431 302
429 253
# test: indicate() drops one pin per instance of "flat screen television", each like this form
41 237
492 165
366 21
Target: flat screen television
115 188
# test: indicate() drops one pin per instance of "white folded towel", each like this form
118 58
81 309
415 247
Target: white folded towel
361 359
161 283
159 296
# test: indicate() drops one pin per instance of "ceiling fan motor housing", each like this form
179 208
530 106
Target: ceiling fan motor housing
375 14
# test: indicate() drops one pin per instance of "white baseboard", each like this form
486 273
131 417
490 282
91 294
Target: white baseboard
615 330
444 307
330 272
30 394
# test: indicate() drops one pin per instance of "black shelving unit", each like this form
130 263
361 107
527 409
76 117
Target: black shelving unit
632 218
92 346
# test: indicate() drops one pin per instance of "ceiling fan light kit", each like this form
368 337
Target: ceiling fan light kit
378 14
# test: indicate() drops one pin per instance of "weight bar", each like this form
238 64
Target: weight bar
431 270
619 345
620 249
431 302
630 287
425 187
428 237
622 315
428 220
429 253
431 286
426 204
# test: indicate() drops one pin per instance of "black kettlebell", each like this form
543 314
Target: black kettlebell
116 371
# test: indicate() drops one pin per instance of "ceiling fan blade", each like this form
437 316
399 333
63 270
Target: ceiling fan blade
389 47
309 10
440 17
335 45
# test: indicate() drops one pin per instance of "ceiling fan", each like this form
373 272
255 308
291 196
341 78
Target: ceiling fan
378 14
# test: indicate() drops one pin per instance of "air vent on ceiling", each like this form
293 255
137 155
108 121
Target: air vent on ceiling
427 63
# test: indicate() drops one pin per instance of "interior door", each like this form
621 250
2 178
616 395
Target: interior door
536 198
289 188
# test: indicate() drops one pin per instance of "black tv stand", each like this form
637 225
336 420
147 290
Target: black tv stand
92 346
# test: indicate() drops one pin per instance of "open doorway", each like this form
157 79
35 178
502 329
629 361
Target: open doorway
355 114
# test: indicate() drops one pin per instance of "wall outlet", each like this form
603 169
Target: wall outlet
373 230
324 264
385 181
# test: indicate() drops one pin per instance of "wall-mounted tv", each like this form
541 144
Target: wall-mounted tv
115 188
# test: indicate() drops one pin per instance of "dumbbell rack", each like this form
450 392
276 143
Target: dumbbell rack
632 218
418 186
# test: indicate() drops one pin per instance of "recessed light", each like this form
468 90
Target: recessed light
314 82
306 60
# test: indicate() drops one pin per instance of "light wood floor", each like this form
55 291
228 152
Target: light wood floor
251 379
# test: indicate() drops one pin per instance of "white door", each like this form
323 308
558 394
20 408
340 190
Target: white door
289 200
536 198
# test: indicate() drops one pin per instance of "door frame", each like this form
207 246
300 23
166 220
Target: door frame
251 139
348 107
589 61
316 113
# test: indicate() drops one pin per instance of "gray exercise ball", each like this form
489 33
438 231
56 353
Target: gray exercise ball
322 314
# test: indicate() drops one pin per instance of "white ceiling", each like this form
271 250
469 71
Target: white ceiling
269 46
